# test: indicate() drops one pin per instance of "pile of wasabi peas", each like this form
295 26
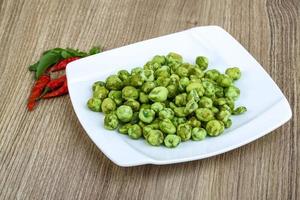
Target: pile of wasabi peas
168 101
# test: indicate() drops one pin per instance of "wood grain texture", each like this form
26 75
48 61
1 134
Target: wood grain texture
47 155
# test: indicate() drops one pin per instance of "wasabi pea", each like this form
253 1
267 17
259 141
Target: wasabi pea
214 128
108 105
130 92
167 127
135 131
94 104
155 137
111 121
113 82
124 113
124 128
172 141
146 115
202 62
159 94
234 73
198 133
184 131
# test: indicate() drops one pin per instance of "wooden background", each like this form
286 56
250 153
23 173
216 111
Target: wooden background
47 155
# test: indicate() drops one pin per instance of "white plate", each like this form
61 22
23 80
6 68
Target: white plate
267 106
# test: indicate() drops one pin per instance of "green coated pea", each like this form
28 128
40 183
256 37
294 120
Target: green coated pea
228 123
136 80
204 114
147 75
172 141
163 72
159 59
225 107
146 130
231 104
152 65
219 91
224 81
196 86
135 105
180 111
98 84
239 110
108 105
191 106
183 83
214 128
136 70
155 137
124 128
158 94
166 113
193 95
220 101
157 107
194 122
232 92
178 120
182 71
135 131
167 127
223 115
197 72
146 115
100 92
212 74
198 133
209 88
148 86
113 82
234 73
162 81
202 62
174 79
94 104
205 102
130 92
174 57
116 96
181 99
111 121
124 113
124 75
184 131
155 124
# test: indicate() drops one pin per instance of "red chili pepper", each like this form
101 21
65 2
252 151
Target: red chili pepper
37 90
59 92
56 83
62 64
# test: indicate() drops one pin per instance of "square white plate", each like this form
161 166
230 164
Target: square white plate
264 114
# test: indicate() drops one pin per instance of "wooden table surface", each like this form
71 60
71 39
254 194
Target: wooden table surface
46 154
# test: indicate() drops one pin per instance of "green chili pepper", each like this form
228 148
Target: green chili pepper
48 59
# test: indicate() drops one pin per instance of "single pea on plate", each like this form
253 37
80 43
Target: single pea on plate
222 51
